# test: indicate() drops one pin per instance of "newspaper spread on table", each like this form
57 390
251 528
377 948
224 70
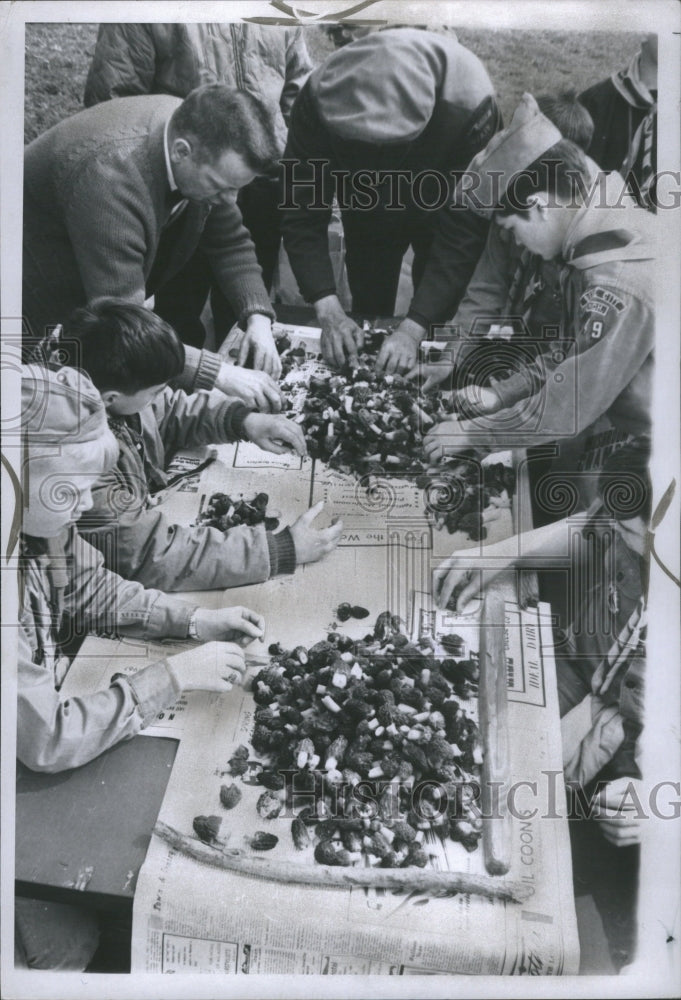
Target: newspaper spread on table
191 918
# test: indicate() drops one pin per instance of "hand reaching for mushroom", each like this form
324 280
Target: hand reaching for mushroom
275 433
312 544
447 438
341 336
400 350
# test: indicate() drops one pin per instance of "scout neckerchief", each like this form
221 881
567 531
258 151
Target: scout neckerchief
626 643
44 582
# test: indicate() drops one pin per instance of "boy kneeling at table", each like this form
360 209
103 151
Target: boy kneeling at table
131 355
600 665
63 586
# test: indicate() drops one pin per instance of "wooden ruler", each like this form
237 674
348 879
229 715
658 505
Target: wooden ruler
493 714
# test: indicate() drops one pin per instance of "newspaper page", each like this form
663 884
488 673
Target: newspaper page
186 920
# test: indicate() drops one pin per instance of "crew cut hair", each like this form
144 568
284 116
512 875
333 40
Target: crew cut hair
218 118
122 346
571 118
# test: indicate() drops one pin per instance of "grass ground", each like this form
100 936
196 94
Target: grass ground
58 56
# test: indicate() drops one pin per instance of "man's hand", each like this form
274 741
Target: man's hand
214 666
312 544
255 389
619 811
400 350
433 373
259 342
446 439
240 625
340 335
277 433
477 400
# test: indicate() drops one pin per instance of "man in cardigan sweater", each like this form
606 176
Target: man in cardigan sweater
118 197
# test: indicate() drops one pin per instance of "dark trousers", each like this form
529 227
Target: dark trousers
181 300
375 244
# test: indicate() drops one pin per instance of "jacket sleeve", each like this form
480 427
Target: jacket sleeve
124 63
308 194
459 239
55 734
146 546
187 421
486 297
97 600
298 68
582 387
460 234
228 246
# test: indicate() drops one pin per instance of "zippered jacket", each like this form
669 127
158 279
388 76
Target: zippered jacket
139 541
64 587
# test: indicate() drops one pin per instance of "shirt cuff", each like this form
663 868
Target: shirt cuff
422 320
169 618
282 552
234 421
152 690
322 294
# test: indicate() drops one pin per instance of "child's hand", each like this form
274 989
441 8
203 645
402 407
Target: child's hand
234 625
619 811
214 666
312 544
259 342
254 388
451 577
277 433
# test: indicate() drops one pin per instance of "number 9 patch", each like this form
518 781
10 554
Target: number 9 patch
598 303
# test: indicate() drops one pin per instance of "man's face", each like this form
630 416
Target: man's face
209 181
541 229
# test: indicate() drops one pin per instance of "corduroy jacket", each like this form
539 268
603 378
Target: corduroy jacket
139 541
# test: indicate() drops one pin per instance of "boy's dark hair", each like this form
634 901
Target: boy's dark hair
122 346
556 173
569 116
624 483
219 118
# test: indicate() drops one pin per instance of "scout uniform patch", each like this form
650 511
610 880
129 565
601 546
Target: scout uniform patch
596 304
